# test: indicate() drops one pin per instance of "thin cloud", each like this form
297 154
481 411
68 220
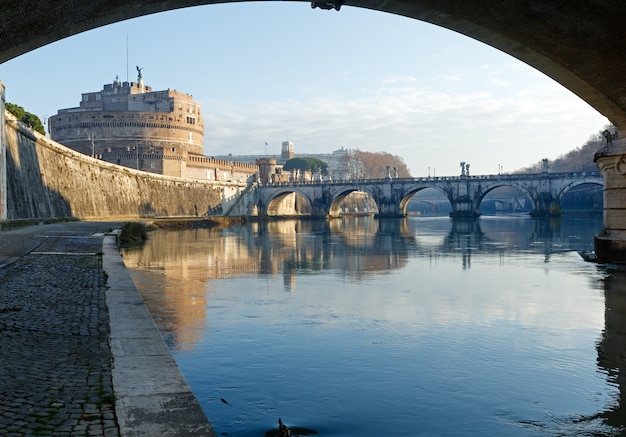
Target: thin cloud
404 120
400 79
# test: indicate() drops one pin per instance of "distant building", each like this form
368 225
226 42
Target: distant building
287 151
161 132
272 164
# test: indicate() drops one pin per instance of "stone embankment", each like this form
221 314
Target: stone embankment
80 354
47 180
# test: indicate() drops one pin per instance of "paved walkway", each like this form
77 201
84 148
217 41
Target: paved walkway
64 369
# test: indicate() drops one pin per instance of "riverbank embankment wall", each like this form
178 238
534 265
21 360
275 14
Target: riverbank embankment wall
45 180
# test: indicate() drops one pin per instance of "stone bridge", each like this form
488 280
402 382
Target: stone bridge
578 43
392 195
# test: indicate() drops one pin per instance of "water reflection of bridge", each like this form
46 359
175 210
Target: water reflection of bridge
391 195
357 247
191 259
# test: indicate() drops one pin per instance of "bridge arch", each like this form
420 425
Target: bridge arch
564 41
288 202
588 197
518 186
413 191
583 51
338 197
569 187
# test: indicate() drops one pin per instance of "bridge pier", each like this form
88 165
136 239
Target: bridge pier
464 206
464 197
390 209
464 213
544 197
610 243
321 203
545 205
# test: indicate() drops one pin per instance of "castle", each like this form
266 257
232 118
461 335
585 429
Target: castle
161 132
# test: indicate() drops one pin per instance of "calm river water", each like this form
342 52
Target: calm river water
408 327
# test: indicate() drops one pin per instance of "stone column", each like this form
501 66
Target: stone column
3 158
610 243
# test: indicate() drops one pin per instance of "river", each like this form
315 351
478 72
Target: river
407 327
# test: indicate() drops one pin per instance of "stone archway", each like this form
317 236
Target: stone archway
578 43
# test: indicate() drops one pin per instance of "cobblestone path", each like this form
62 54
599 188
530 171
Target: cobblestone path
55 361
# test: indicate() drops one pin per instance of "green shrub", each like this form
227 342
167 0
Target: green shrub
133 232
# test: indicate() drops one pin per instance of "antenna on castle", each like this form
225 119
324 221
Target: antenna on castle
126 57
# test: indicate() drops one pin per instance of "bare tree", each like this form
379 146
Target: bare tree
373 165
579 159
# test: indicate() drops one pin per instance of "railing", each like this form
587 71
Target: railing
500 177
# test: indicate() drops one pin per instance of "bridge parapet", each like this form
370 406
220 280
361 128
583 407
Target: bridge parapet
465 193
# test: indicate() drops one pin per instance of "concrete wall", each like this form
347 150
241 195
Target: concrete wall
48 180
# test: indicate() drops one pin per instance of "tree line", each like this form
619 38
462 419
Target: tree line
579 159
359 165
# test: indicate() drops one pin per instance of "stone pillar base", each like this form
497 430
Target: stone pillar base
389 215
610 247
610 243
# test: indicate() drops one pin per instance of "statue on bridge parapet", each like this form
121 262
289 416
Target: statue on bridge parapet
609 136
388 172
465 168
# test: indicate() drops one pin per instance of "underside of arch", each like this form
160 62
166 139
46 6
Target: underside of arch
289 204
573 185
407 198
521 189
362 203
578 43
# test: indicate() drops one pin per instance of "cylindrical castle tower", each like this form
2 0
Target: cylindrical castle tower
129 124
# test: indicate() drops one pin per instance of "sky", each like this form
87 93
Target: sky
268 72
